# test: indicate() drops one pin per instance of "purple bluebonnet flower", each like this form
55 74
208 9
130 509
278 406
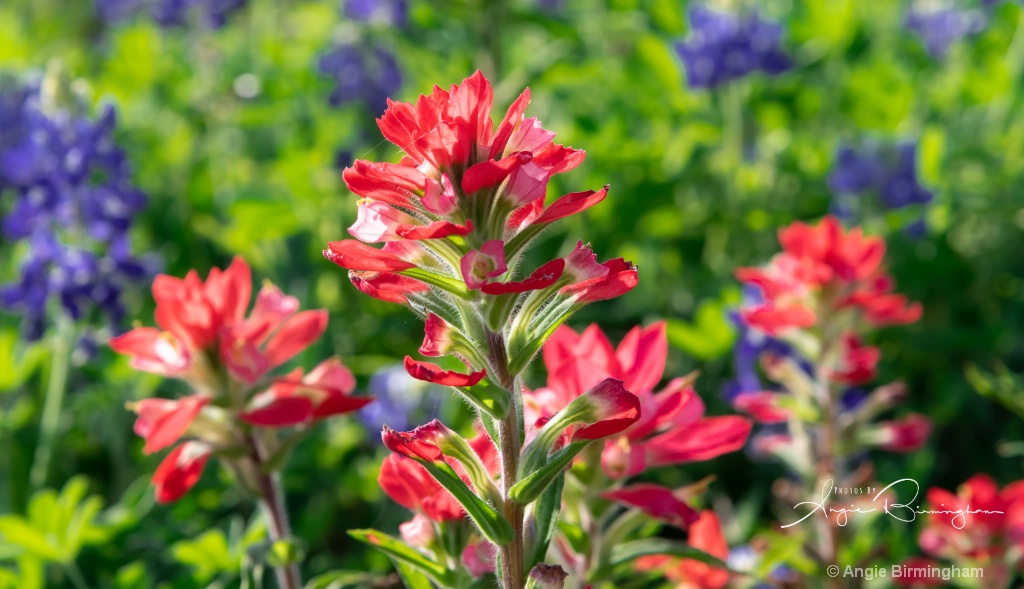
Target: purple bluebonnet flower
889 171
390 12
939 26
366 75
170 13
723 47
68 195
398 399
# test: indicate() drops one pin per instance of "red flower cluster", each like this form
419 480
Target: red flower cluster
824 269
207 340
979 526
671 428
456 213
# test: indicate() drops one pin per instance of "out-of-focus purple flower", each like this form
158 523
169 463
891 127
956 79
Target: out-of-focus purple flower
855 170
722 47
899 186
390 12
939 26
170 13
889 171
363 75
398 397
72 202
551 6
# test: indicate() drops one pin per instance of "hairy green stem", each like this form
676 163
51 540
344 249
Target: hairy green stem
510 446
55 387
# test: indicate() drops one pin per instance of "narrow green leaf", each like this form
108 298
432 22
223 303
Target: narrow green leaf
530 488
403 554
492 524
544 523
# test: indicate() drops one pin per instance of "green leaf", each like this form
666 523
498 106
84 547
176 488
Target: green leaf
208 554
15 530
402 553
492 524
545 522
708 337
530 488
630 551
412 578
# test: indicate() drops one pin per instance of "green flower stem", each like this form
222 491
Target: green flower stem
272 503
56 384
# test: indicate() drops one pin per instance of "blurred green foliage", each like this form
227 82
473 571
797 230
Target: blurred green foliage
700 182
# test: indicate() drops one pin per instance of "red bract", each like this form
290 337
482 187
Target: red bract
842 268
298 399
705 534
763 406
387 286
420 443
180 471
542 277
412 487
612 409
909 434
354 255
428 372
671 428
162 422
857 362
657 501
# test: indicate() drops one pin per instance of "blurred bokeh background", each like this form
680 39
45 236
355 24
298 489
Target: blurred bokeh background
220 127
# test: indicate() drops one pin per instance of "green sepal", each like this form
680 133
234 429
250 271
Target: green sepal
530 488
492 524
544 522
402 553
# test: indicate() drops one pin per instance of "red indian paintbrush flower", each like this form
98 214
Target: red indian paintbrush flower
980 525
824 261
456 213
208 340
671 429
